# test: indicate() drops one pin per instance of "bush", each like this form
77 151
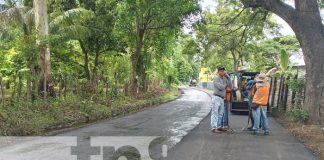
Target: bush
299 114
20 118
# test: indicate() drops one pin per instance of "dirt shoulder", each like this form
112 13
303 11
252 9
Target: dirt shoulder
309 134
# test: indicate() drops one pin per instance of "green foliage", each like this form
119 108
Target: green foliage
90 61
27 118
296 85
229 31
267 53
284 60
299 114
321 3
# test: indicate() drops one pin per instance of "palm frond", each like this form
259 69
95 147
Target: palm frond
10 15
14 14
73 16
29 19
75 32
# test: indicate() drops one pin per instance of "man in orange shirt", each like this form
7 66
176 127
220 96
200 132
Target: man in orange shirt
259 104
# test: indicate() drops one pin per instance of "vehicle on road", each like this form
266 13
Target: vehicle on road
239 98
193 83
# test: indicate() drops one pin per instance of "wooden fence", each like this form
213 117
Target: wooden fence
281 96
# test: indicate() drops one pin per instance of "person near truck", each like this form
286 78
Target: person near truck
220 83
250 92
227 102
259 104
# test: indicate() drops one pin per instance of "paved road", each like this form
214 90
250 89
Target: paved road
201 144
171 120
187 116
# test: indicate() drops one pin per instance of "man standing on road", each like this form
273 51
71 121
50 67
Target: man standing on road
227 102
260 102
220 84
250 92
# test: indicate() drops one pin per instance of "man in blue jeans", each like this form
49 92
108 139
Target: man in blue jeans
227 103
260 102
220 83
250 93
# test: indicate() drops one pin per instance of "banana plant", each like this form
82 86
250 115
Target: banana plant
283 69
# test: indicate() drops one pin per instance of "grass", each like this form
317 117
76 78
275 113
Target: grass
27 118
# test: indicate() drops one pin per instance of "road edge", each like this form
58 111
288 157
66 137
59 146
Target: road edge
82 125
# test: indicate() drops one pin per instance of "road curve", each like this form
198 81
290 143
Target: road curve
172 120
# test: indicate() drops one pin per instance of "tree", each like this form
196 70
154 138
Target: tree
266 53
91 23
230 29
139 20
306 22
42 26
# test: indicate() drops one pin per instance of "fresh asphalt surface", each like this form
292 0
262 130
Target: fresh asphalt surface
185 117
202 144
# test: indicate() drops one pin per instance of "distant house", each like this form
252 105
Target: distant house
298 63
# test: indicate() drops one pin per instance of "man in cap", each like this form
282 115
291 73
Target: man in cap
220 83
259 104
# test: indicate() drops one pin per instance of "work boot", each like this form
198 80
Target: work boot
250 128
255 131
216 131
266 133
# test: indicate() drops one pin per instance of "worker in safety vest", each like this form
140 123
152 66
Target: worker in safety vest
259 104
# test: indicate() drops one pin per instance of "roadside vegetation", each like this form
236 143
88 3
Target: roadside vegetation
40 117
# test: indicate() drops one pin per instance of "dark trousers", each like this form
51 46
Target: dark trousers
250 107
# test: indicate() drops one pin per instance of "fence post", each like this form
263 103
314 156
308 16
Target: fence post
286 95
279 95
282 93
274 90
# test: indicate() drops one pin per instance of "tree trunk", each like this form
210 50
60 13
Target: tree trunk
236 66
28 93
310 34
134 58
41 20
306 22
86 60
3 97
94 78
14 89
235 61
20 85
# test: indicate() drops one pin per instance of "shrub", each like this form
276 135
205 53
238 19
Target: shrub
299 114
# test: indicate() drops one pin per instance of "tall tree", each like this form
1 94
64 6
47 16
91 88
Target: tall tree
305 20
42 26
141 19
229 29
